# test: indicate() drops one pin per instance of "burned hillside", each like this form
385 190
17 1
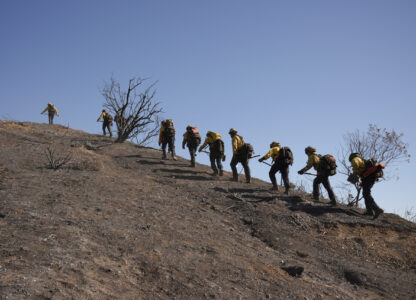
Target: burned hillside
116 221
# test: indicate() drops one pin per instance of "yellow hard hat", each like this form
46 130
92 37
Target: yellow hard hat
233 131
353 155
310 149
274 144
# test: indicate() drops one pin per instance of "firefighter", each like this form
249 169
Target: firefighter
281 163
107 122
191 139
216 151
314 160
52 110
240 155
167 138
368 179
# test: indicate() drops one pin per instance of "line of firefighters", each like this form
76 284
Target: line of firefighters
365 172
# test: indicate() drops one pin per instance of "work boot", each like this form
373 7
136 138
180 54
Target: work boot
248 180
274 188
333 202
164 155
377 212
215 173
173 156
221 172
235 179
368 212
316 198
193 164
286 191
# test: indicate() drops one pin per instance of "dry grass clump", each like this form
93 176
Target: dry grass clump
87 161
87 164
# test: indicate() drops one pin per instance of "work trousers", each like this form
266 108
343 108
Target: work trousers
170 142
215 159
367 184
284 170
243 159
192 153
324 179
50 117
108 126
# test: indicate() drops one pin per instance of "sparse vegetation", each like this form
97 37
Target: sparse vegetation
135 110
161 229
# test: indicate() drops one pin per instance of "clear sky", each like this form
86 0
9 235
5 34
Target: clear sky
299 72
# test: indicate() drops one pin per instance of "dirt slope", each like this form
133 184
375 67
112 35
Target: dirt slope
117 222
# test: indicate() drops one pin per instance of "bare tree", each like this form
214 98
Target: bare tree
410 214
385 146
55 159
136 112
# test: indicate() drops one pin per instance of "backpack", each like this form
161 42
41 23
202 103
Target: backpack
328 164
372 162
194 136
373 167
248 150
169 130
217 147
285 156
109 119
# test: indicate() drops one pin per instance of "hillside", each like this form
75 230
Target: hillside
118 222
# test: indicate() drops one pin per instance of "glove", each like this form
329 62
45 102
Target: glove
261 159
300 172
353 179
183 147
223 158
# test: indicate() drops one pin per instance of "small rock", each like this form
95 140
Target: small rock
353 277
301 254
294 271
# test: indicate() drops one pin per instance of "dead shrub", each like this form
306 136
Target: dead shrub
55 158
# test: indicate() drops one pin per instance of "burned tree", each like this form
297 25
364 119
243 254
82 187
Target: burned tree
135 111
385 146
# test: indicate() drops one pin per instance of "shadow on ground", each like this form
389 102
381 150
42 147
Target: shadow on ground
192 177
317 211
179 171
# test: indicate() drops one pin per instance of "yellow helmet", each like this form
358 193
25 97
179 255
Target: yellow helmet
353 155
274 144
232 131
310 149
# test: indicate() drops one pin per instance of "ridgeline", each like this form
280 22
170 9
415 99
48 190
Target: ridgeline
116 221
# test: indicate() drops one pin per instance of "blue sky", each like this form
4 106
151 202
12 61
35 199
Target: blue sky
299 72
